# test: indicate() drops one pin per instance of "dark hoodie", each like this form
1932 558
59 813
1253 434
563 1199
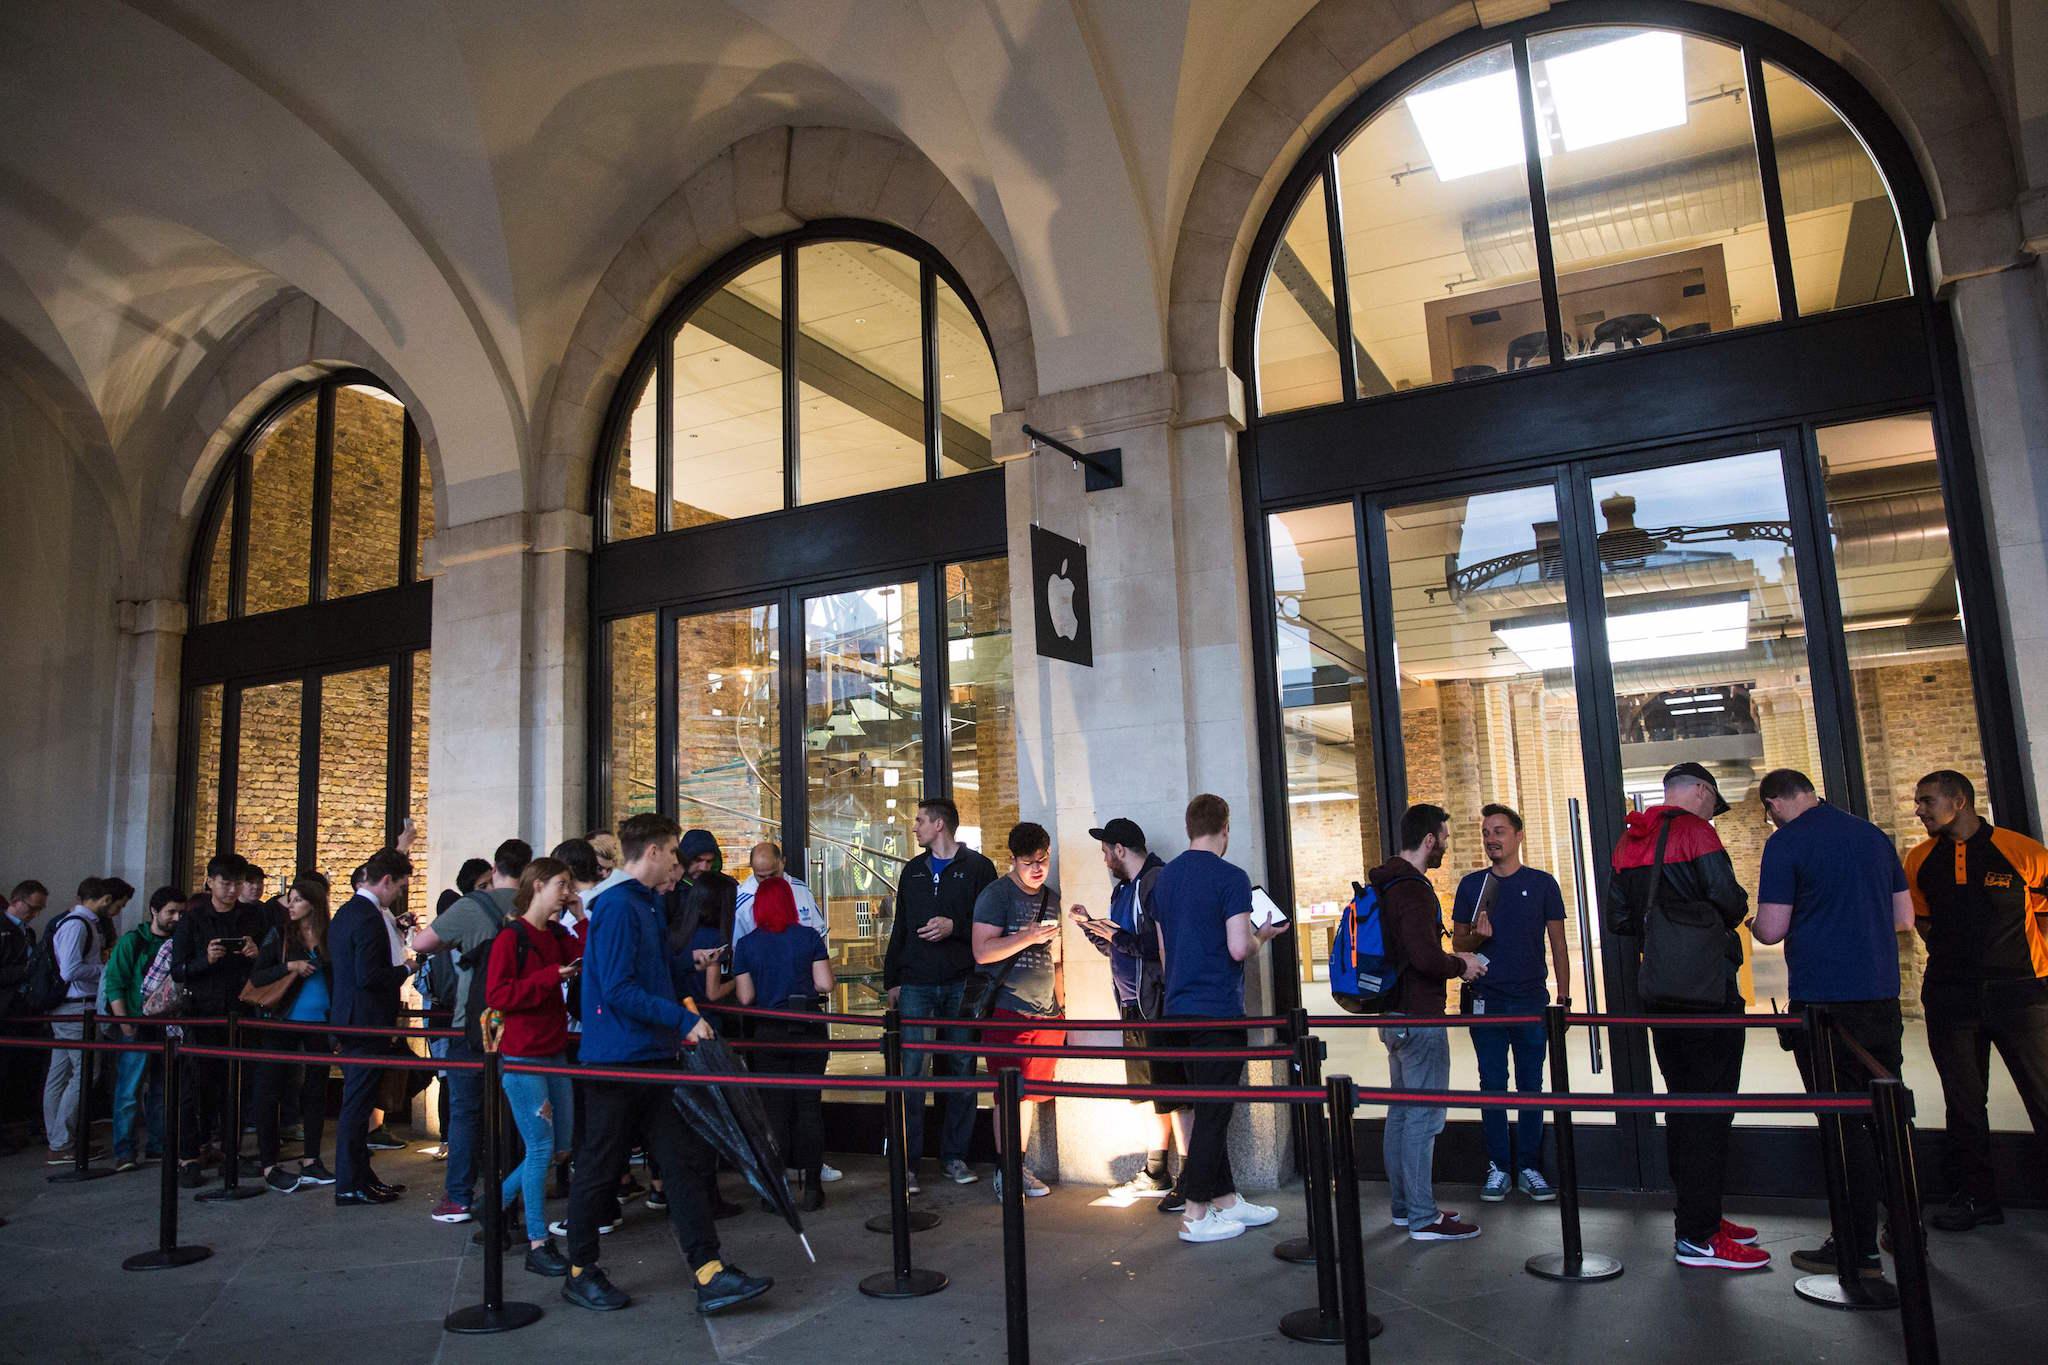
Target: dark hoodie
1413 922
699 911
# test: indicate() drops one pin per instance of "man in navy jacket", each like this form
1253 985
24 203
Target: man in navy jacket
632 1020
369 967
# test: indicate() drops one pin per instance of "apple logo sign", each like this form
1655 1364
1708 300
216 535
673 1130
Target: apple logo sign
1059 595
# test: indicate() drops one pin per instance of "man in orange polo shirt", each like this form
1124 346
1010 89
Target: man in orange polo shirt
1980 899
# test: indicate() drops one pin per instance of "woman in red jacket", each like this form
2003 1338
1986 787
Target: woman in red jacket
532 959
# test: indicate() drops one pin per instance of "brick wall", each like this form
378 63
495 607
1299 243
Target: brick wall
281 514
632 719
727 727
369 491
355 729
266 828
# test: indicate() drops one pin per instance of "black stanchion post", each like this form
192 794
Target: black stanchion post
1847 1287
1574 1262
493 1314
168 1253
1322 1325
1010 1123
1361 1325
81 1128
902 1280
1305 1072
1892 1115
231 1186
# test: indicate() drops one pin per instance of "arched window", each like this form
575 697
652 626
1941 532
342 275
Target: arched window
306 671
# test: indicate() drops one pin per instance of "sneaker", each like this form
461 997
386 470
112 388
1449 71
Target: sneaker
546 1260
1173 1201
1531 1182
1034 1188
593 1291
828 1173
560 1228
1495 1187
1446 1228
1821 1260
1143 1185
126 1164
728 1287
381 1140
191 1176
448 1211
1400 1220
1738 1234
1250 1215
65 1156
1965 1212
281 1181
1211 1227
657 1200
1723 1253
630 1189
955 1170
910 1185
313 1173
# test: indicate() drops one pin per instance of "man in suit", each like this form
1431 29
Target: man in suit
369 967
21 1070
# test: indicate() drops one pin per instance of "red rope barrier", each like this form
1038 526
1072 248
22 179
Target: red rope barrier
394 1062
1100 1025
1687 1020
776 1081
1265 1094
77 1045
803 1045
299 1026
154 1020
1583 1103
1199 1054
804 1016
1419 1020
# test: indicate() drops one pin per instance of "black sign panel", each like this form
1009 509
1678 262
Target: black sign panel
1059 598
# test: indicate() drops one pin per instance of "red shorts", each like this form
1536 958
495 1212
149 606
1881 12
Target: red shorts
1033 1033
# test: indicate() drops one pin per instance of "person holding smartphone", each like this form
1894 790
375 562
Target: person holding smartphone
1017 945
212 951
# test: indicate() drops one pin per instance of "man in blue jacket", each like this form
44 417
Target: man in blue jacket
632 1021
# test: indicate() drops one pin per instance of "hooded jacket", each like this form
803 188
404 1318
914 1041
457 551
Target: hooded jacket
1133 950
909 960
1697 870
1413 922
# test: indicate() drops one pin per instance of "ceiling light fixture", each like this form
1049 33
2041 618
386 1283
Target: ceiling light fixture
1470 127
1714 626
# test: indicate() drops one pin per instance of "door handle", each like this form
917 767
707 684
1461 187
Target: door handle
1589 968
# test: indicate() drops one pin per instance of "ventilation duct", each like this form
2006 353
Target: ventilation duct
1767 664
1703 196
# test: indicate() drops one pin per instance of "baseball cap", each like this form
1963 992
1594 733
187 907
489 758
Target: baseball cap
1120 831
1699 773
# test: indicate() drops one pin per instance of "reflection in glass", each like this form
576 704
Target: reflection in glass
1839 221
1298 314
205 807
981 700
864 768
968 392
213 605
728 403
368 491
860 357
629 501
729 726
1439 251
267 777
630 642
355 725
281 513
416 792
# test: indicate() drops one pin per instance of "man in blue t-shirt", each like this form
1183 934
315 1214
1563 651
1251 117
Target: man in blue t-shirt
1507 911
1833 892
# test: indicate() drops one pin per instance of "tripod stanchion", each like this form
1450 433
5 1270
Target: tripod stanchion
1846 1288
902 1280
1322 1325
493 1314
1360 1324
231 1186
81 1128
1892 1115
168 1253
1574 1262
1307 1072
1010 1123
896 1121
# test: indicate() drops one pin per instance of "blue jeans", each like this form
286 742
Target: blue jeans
138 1083
956 1106
543 1136
1417 1059
465 1122
1492 1046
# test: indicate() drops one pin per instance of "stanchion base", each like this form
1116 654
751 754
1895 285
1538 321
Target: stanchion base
919 1282
1592 1265
227 1193
1827 1291
161 1259
481 1319
1314 1326
921 1220
1295 1251
74 1176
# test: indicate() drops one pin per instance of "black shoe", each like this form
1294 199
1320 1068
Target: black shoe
358 1199
191 1176
630 1189
1965 1212
730 1286
390 1192
811 1196
657 1200
381 1140
1173 1201
1821 1260
546 1260
723 1208
312 1172
593 1291
281 1180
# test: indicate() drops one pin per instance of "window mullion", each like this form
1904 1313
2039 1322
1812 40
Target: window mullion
792 454
664 434
1539 203
323 493
928 322
1340 285
1774 192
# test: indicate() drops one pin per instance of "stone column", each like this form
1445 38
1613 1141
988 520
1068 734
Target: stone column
147 693
1165 712
558 677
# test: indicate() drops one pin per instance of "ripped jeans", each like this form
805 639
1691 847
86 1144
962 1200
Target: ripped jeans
543 1136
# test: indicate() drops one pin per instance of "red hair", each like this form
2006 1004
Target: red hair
774 905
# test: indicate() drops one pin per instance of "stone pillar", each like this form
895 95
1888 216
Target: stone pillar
145 785
1165 712
558 677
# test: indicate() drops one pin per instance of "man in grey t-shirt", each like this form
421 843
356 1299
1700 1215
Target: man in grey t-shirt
1017 937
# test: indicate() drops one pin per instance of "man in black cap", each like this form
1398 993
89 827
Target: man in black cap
1670 870
1126 938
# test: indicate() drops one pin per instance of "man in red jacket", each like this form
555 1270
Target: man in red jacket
1670 853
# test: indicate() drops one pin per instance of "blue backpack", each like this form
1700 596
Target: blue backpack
1362 978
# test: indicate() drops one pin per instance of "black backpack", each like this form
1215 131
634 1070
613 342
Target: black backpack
45 988
478 965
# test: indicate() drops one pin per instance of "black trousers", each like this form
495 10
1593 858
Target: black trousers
612 1112
203 1099
1875 1026
1962 1028
1205 1169
1698 1061
361 1079
304 1086
796 1118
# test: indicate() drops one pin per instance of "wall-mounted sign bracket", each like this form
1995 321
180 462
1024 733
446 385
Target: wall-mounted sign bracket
1105 467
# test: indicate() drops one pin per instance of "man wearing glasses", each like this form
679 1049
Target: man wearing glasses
1017 947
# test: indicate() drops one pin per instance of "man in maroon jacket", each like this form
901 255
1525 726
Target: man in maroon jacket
1693 874
1418 1058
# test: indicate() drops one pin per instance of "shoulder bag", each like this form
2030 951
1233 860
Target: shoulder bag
983 988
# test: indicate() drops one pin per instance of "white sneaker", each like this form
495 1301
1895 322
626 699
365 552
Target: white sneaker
1495 1187
561 1228
1247 1214
828 1174
959 1172
1212 1228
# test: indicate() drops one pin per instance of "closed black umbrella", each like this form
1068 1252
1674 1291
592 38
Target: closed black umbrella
731 1119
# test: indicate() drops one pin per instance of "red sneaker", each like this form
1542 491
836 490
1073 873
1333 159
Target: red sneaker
1738 1234
1720 1254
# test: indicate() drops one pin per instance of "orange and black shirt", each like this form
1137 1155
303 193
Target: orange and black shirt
1980 906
